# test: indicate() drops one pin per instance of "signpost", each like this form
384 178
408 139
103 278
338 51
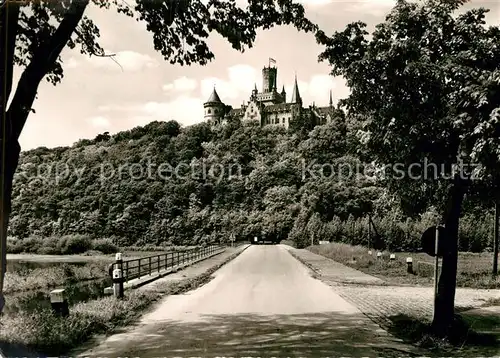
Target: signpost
495 240
432 244
436 266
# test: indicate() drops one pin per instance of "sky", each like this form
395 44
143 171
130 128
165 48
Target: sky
97 95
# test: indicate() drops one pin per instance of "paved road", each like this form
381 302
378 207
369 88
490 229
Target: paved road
263 303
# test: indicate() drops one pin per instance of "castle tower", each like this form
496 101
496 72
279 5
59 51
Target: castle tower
269 79
331 100
283 94
296 95
214 108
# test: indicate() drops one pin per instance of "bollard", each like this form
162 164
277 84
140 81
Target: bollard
379 255
59 302
392 257
118 283
409 263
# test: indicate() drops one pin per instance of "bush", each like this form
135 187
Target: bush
75 244
105 246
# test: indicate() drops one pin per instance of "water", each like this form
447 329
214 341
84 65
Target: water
31 301
34 300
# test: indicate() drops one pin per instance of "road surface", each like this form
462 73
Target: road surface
263 303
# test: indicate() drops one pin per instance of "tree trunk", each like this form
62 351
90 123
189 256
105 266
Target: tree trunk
9 151
13 119
444 309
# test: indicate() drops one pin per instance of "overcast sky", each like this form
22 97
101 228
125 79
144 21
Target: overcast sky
97 95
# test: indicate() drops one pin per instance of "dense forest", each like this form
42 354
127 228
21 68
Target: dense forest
163 184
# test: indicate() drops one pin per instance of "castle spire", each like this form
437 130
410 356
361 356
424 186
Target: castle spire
331 101
214 97
296 95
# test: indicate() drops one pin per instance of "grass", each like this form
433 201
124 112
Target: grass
42 278
460 338
64 245
474 270
46 333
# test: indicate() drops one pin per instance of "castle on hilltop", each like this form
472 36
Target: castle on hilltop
268 107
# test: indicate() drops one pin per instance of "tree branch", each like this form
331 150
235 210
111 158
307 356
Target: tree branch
43 60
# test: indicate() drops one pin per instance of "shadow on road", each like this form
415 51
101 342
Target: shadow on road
16 350
321 334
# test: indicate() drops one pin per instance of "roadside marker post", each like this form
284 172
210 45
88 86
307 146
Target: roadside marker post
118 276
59 302
409 265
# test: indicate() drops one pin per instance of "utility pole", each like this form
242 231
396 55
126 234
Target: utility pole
495 239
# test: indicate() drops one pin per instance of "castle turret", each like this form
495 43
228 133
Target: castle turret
214 108
331 100
283 94
269 79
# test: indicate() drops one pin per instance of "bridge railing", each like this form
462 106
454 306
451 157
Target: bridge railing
146 266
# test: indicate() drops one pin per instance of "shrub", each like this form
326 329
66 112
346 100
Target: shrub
105 246
75 244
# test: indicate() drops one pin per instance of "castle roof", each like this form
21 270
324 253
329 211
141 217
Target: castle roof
280 107
236 112
214 97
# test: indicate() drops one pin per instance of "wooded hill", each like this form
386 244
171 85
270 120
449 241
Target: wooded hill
264 182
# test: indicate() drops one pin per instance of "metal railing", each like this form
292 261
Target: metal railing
146 266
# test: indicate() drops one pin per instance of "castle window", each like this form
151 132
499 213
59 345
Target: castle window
216 111
209 111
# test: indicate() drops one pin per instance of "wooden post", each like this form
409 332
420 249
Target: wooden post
495 240
59 302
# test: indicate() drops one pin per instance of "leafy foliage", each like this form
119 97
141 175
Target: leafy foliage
266 187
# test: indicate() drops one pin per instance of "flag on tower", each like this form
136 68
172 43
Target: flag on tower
272 60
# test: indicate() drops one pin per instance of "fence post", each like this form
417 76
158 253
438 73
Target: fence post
59 302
